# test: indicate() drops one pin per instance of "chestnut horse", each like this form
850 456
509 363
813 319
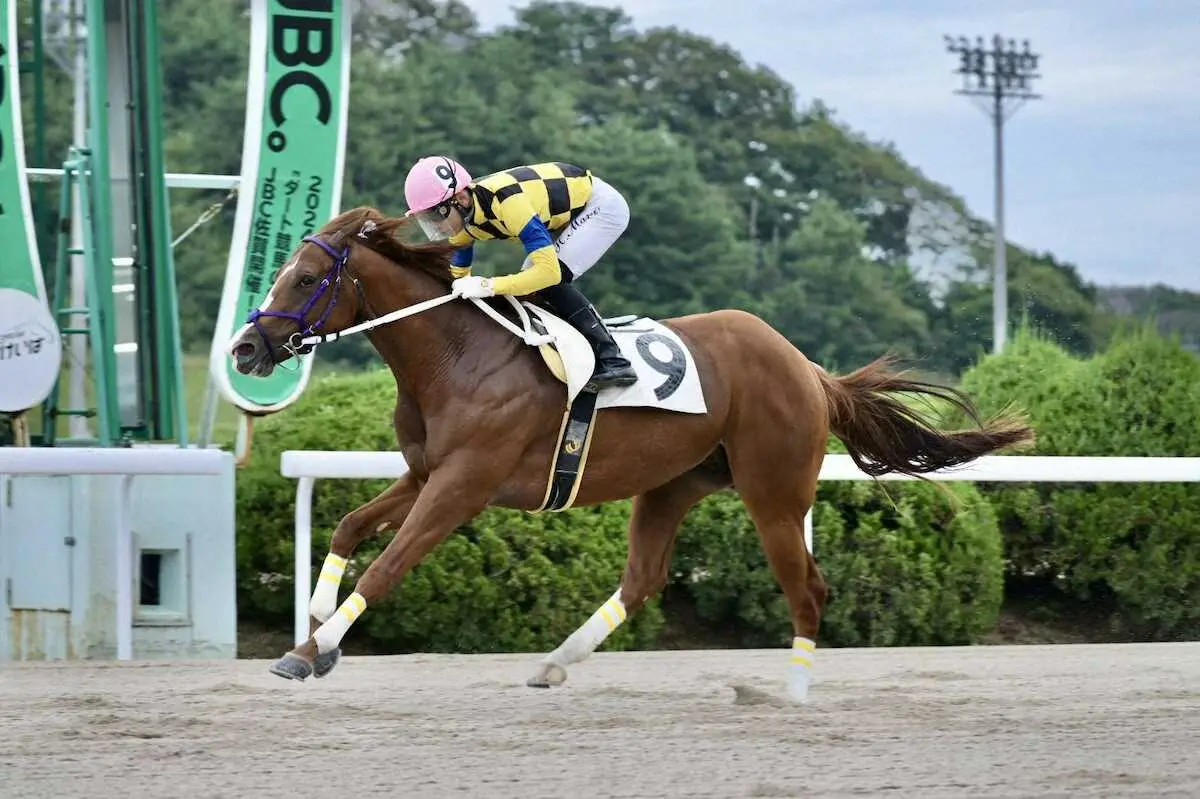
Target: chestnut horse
478 416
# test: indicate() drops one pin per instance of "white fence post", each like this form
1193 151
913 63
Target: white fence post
303 556
309 466
124 569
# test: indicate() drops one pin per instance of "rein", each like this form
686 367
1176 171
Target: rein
307 338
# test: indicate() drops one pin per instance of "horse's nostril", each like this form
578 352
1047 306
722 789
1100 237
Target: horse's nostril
244 350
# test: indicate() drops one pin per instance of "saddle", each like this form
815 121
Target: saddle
667 380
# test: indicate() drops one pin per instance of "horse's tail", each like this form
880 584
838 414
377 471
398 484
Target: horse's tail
883 435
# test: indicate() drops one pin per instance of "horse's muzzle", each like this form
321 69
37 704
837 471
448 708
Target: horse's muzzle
251 357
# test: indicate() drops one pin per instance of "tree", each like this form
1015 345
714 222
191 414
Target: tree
1050 296
391 28
1174 311
680 252
723 169
840 307
591 44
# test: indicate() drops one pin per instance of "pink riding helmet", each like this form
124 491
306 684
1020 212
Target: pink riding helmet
432 180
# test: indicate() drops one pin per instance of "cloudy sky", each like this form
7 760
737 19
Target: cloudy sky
1104 171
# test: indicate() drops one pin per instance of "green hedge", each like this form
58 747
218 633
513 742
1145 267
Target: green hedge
1131 548
924 571
919 565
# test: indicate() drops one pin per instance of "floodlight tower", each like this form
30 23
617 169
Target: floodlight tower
999 80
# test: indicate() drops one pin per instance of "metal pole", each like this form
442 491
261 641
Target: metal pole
999 255
78 426
208 414
1000 87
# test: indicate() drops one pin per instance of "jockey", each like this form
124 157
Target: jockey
565 218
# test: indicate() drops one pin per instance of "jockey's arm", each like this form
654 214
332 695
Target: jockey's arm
460 261
517 213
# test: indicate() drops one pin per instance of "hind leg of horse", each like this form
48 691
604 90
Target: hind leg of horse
803 586
778 490
655 522
389 509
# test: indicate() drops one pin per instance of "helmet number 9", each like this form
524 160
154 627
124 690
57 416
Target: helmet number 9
446 174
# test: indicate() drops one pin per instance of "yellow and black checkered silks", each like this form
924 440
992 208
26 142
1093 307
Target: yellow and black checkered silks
529 203
505 201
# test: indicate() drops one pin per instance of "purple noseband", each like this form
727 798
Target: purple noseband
332 278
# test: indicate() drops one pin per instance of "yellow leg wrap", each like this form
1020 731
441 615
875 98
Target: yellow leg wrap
333 569
581 643
800 674
353 607
329 635
323 602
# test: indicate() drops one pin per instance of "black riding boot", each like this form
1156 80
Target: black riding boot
612 368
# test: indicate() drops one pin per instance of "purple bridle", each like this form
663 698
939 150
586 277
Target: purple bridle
332 277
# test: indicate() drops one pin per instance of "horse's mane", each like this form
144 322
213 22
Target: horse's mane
380 233
370 227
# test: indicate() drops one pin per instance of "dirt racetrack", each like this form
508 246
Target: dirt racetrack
955 722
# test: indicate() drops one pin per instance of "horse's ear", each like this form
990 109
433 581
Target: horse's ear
368 227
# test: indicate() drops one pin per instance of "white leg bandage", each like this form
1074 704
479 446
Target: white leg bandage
324 596
330 634
800 674
584 641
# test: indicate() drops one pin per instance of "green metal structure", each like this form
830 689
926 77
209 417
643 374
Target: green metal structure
77 174
131 317
32 63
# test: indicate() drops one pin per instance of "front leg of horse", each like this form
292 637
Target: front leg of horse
386 511
433 516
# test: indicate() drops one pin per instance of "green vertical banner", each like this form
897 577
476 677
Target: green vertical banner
30 345
297 99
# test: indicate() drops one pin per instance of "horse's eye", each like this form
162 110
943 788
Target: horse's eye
307 280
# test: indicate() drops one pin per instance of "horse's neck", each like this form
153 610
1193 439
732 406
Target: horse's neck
425 350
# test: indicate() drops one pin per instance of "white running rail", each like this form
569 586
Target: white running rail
307 466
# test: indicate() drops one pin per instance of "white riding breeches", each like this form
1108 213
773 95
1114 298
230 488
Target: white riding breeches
601 222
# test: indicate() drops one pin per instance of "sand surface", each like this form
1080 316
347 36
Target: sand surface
986 721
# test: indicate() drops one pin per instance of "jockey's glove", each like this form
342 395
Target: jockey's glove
472 286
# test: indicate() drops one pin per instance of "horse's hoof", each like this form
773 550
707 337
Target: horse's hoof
549 675
292 667
324 663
